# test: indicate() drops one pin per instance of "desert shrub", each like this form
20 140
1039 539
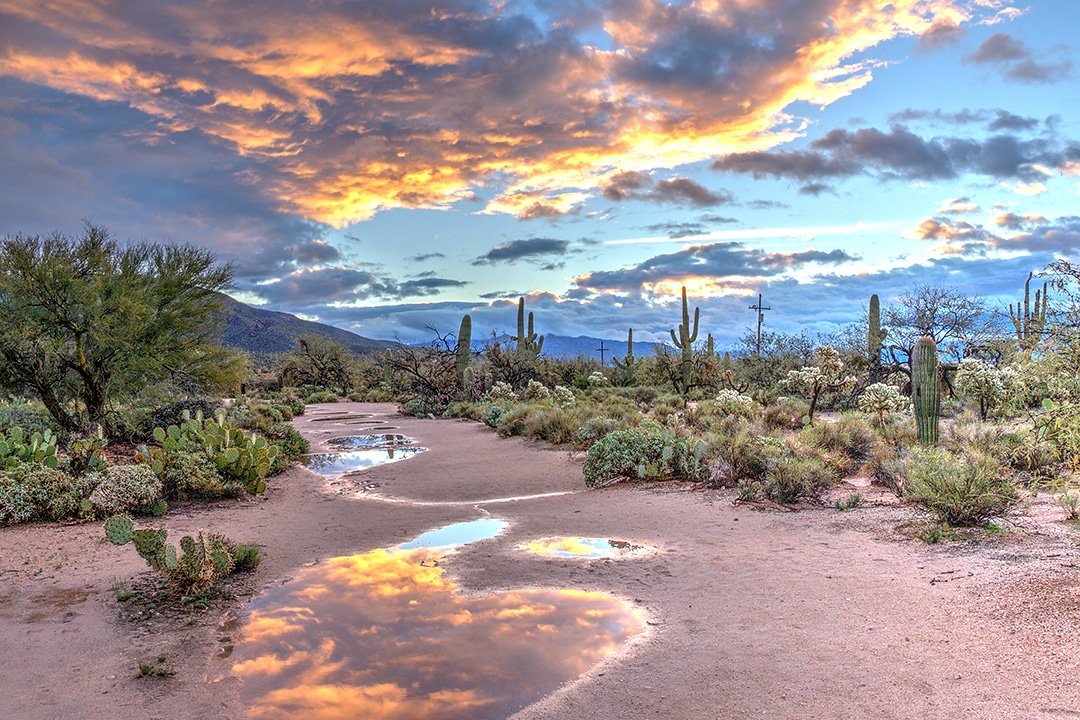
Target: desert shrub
31 417
744 457
500 391
421 407
595 428
795 476
536 391
886 468
597 379
36 492
639 395
785 413
246 557
1019 451
644 453
881 400
664 405
732 402
322 396
291 444
988 386
849 437
126 488
562 396
959 489
193 475
491 414
512 421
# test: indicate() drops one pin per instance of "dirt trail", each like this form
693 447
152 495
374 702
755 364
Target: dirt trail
811 614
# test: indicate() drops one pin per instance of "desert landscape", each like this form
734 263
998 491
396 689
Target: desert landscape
748 610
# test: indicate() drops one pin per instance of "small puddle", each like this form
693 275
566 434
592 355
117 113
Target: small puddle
386 635
586 548
334 464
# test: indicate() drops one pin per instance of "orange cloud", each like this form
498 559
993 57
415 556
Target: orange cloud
357 108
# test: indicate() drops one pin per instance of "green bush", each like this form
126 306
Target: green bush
744 457
322 396
35 492
960 490
31 417
126 488
786 413
644 453
192 475
796 476
849 437
291 444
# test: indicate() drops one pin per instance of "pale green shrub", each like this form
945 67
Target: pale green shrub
125 488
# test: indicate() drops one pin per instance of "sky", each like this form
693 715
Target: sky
387 167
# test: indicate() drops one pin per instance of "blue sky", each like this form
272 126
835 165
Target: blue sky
386 167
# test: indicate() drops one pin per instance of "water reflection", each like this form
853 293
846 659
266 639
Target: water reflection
386 635
364 442
586 547
333 464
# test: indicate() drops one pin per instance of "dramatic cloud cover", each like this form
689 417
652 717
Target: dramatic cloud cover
387 166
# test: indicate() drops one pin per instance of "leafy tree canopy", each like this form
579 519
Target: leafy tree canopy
86 321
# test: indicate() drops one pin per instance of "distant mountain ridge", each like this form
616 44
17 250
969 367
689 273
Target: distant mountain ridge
267 332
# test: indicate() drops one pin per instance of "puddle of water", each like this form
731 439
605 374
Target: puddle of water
365 442
334 464
386 635
586 548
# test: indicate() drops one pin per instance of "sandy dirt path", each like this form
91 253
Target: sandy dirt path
752 613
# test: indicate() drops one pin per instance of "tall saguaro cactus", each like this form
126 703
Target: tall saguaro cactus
1029 320
925 391
463 350
528 343
629 361
874 335
685 341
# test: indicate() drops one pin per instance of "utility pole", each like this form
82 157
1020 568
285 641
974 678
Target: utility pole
602 349
760 319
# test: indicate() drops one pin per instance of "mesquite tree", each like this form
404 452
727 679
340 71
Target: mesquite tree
85 321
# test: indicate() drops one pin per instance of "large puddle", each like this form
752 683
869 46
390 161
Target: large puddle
385 635
360 452
586 548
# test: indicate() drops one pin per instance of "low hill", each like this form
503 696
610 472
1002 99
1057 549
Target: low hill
265 332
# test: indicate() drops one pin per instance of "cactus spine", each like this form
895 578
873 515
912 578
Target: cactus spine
528 343
1029 321
874 336
925 392
685 341
463 351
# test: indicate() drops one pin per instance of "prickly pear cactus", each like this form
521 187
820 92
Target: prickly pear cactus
925 390
119 530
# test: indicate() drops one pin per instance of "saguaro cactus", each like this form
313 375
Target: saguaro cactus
463 350
710 345
528 343
1029 321
925 391
874 335
685 341
629 361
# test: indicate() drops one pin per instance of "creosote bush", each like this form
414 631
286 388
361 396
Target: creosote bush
961 490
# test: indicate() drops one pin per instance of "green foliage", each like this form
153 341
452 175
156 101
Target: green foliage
785 413
85 454
648 452
925 391
732 402
30 416
125 488
881 400
989 386
238 456
36 448
849 438
36 492
812 381
322 396
246 557
205 558
85 322
743 458
1069 501
319 362
794 476
961 490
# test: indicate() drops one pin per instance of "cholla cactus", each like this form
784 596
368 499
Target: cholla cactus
732 402
501 391
597 379
562 396
881 399
987 385
536 391
814 380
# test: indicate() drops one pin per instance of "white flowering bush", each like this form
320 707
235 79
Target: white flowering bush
880 400
500 391
987 385
562 396
536 391
597 379
732 402
825 375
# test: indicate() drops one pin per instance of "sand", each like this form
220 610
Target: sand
752 612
